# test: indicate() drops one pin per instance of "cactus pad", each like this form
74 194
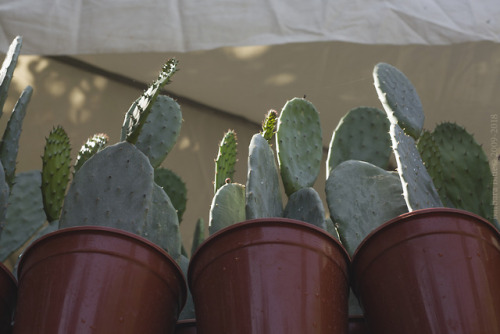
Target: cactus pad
362 134
263 195
306 205
198 235
361 197
175 188
160 130
399 98
226 159
418 189
93 145
269 125
299 145
228 207
138 113
55 171
9 146
25 214
7 69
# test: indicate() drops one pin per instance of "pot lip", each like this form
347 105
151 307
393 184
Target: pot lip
270 221
420 212
11 276
185 323
109 230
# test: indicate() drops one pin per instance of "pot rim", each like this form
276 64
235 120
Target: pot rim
108 230
274 221
421 212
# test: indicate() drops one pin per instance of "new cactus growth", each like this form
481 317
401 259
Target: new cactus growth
55 172
7 69
93 145
175 188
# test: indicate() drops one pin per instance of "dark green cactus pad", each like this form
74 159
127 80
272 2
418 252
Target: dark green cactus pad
467 180
114 188
263 194
418 189
228 207
161 130
226 159
198 235
55 171
299 145
399 98
162 224
93 145
431 157
269 125
25 214
306 205
361 197
7 69
175 188
362 134
188 310
139 112
9 146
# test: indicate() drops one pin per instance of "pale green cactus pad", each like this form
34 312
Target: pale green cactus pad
361 197
226 160
399 98
418 189
306 205
228 207
362 134
7 69
263 194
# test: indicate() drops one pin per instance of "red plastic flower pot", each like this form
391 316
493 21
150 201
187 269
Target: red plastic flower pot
357 325
430 271
8 293
97 280
270 276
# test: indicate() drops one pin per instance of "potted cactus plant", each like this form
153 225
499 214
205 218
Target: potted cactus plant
417 267
114 260
266 268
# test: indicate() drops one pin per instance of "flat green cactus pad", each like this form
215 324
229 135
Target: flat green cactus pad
228 207
399 98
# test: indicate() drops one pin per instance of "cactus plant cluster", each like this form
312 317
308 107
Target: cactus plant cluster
296 166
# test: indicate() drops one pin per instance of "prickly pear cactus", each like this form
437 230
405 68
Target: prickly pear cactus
4 197
360 197
399 98
362 134
228 207
306 205
263 194
10 140
226 159
299 145
467 181
25 213
139 112
175 188
161 130
7 69
116 188
418 189
93 145
55 171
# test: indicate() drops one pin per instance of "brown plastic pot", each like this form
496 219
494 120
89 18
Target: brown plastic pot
186 326
430 271
8 293
97 280
270 276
